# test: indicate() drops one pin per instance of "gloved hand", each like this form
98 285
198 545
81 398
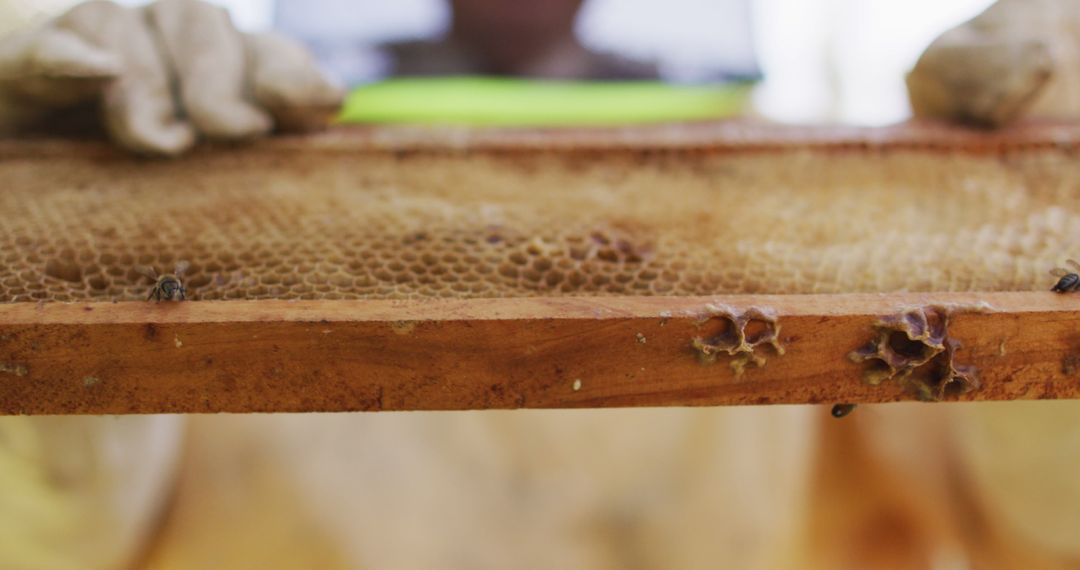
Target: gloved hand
162 76
1019 58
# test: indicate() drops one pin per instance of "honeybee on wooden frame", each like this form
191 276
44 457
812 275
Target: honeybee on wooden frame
842 410
167 286
1068 280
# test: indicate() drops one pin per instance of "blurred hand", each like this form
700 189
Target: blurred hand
1018 58
163 75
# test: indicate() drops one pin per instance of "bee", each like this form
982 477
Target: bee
841 410
1069 281
167 286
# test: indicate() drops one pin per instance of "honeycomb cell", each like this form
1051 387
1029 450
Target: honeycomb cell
913 347
738 334
433 224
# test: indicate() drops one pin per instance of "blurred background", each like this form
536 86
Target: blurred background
820 60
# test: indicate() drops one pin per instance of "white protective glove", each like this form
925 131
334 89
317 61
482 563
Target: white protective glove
1019 58
162 76
83 492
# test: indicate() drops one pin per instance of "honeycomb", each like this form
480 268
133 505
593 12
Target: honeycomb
739 335
913 347
281 222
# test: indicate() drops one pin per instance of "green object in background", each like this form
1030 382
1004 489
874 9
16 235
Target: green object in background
521 102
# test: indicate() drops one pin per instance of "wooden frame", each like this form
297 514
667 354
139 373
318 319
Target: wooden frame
279 356
238 356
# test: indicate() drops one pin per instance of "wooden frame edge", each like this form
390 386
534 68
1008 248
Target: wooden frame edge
308 356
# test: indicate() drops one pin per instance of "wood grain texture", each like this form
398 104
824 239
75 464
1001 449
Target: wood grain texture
276 356
720 137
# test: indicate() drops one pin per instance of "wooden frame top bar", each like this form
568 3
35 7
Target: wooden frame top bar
715 136
278 356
